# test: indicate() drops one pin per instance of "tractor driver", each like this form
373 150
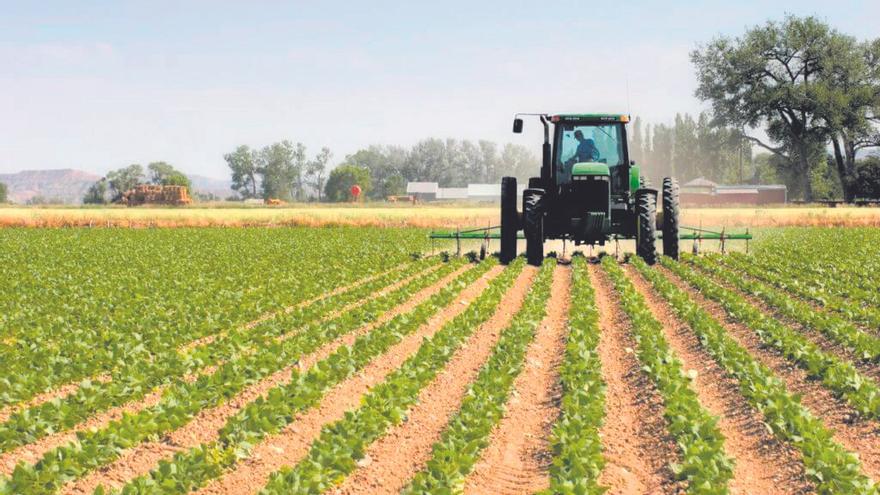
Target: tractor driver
586 150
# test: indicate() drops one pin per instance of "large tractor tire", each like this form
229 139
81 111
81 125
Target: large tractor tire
509 219
646 228
533 225
670 217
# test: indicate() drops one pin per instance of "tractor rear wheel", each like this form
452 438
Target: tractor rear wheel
670 217
509 219
533 225
646 228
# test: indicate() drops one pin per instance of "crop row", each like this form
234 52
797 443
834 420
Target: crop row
122 297
811 289
839 376
184 399
267 416
838 329
828 464
467 433
341 444
704 464
135 380
577 447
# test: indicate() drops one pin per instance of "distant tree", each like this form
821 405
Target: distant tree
97 193
637 142
341 179
279 169
243 164
4 191
520 162
124 179
162 173
316 171
866 183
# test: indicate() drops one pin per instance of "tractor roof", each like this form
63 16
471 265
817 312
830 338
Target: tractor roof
590 117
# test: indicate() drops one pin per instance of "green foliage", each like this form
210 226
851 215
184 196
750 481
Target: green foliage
262 417
97 193
467 433
124 179
864 345
577 447
342 178
334 455
4 190
866 183
184 399
164 174
704 464
828 465
839 376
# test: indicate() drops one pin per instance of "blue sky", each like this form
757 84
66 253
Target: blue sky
99 85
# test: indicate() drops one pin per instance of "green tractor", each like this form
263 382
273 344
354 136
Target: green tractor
589 192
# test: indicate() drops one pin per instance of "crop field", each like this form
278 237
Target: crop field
349 360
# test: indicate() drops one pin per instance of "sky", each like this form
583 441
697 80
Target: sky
99 85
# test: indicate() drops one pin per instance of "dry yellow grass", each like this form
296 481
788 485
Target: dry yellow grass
426 216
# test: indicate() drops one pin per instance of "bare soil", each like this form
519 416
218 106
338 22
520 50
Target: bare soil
394 459
637 447
205 426
857 434
292 444
763 463
518 456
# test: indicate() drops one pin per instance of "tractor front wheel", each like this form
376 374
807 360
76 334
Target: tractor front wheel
646 230
670 217
533 225
509 219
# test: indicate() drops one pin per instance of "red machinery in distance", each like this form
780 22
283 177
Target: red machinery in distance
355 193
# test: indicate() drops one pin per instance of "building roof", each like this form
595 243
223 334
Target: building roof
452 193
700 182
736 190
421 187
484 190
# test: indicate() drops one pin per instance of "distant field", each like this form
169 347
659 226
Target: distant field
430 216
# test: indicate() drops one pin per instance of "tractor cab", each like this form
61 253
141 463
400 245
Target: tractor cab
588 191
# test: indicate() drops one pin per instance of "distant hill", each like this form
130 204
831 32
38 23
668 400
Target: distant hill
222 188
57 186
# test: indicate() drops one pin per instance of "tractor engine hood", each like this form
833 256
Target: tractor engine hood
590 168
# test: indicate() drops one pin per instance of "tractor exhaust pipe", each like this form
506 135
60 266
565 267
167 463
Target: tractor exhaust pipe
546 166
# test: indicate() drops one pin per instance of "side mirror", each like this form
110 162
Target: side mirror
517 126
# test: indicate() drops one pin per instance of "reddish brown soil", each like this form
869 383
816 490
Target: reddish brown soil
293 443
391 461
205 426
763 464
856 434
518 456
56 393
869 369
637 447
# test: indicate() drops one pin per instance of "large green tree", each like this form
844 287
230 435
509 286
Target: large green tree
773 77
97 193
316 171
342 178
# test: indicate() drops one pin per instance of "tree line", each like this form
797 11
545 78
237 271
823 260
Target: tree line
813 91
284 170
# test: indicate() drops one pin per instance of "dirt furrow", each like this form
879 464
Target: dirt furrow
855 433
636 445
518 455
273 314
205 426
39 399
394 459
869 369
293 443
763 463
